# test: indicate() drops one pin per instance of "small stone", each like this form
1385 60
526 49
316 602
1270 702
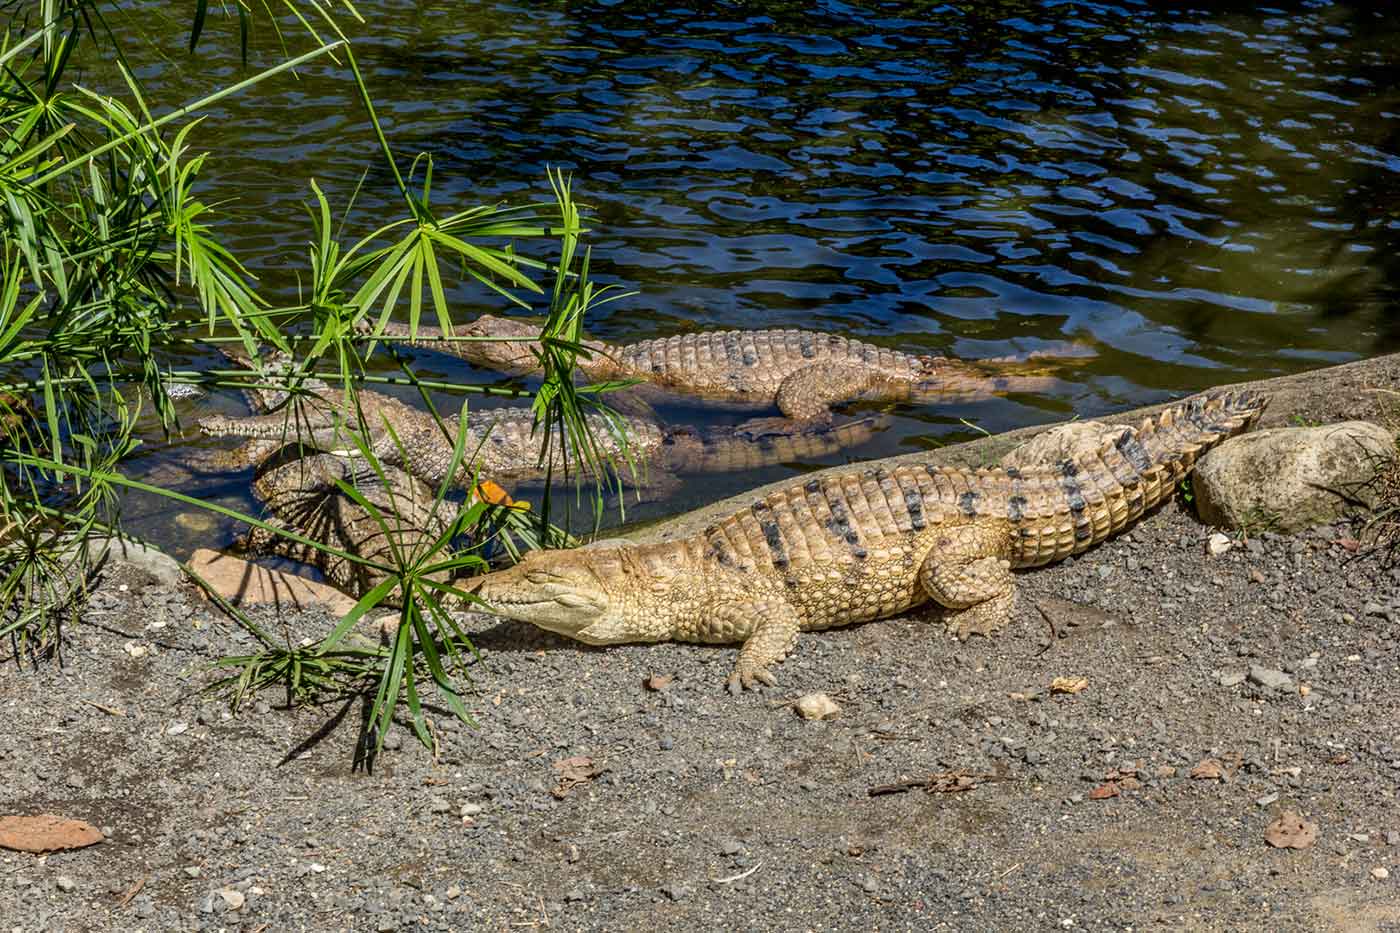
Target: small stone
65 883
439 805
136 650
178 728
1268 677
1217 544
191 871
393 741
575 894
471 809
1267 799
667 743
233 898
731 847
1392 838
453 892
675 892
1379 873
870 886
817 706
1255 576
1232 678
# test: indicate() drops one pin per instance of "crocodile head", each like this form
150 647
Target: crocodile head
591 594
514 353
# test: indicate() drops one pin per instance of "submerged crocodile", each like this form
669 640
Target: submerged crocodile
802 372
302 495
504 445
864 545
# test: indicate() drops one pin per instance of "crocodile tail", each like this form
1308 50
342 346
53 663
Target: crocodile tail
1083 500
728 452
1178 436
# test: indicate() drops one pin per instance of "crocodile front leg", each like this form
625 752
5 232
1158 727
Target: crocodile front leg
968 572
772 639
805 398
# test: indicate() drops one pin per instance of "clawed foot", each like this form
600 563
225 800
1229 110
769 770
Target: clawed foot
745 678
985 619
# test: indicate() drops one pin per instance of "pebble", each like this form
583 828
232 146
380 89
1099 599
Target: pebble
731 847
65 883
1392 838
817 706
1268 677
453 892
439 805
1267 799
233 898
675 892
178 728
471 809
1232 678
667 743
191 871
870 886
1217 544
1380 874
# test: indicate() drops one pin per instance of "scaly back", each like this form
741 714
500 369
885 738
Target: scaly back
1049 513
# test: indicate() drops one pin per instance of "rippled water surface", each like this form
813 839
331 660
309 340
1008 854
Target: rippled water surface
1198 195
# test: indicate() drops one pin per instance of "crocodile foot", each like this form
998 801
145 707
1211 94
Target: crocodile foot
748 678
986 618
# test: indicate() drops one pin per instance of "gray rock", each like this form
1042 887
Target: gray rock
731 847
675 892
158 564
1268 677
1232 678
1284 478
65 883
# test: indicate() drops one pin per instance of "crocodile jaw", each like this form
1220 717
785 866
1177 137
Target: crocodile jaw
569 607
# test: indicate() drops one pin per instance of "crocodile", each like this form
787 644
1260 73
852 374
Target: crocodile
860 546
303 495
505 446
801 372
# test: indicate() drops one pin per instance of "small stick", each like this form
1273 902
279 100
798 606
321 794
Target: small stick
132 891
109 710
739 877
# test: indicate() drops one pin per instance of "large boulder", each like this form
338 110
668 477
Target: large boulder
1285 479
1060 443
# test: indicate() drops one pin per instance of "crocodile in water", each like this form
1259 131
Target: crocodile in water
505 446
802 372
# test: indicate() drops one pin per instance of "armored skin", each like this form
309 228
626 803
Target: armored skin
302 495
864 545
802 372
503 445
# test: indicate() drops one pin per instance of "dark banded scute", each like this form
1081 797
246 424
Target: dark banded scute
772 534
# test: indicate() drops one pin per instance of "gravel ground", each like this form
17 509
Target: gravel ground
717 812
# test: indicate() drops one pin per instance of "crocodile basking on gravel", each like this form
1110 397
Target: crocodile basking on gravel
802 372
504 446
864 545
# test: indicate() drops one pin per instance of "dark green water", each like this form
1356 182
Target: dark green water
1201 194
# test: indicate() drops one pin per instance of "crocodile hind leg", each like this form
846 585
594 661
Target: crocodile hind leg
805 398
967 573
772 639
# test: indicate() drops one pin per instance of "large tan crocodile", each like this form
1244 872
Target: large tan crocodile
802 372
863 546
